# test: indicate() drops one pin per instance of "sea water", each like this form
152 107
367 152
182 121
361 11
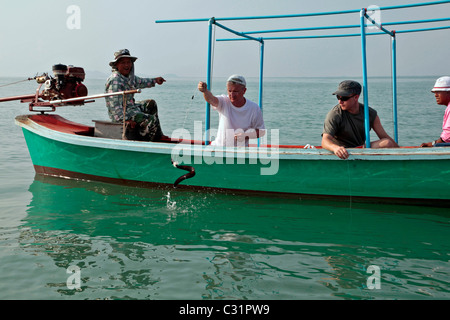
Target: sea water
66 239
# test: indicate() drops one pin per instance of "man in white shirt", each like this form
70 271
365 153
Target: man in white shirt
239 118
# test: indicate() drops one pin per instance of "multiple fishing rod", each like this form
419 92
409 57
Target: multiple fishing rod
66 88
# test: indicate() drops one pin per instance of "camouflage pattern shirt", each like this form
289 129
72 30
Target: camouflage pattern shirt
117 82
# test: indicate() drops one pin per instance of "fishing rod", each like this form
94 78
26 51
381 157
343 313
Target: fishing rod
65 88
16 82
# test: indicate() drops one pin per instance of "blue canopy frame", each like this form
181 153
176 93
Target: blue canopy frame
363 34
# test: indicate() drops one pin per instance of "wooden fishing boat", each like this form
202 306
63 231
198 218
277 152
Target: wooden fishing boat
408 175
411 175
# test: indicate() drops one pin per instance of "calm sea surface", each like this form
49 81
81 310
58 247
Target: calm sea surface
130 243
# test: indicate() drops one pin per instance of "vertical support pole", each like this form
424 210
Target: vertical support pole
208 80
261 76
394 85
364 71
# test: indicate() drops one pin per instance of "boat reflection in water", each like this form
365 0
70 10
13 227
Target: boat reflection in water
180 244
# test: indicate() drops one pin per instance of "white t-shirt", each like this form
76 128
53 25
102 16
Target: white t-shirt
249 116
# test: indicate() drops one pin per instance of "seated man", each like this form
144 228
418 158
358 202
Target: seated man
441 92
143 115
237 115
344 124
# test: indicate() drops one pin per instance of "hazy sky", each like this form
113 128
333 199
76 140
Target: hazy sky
38 34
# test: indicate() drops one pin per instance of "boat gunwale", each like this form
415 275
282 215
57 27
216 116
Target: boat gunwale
300 153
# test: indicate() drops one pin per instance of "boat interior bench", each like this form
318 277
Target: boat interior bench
114 130
108 129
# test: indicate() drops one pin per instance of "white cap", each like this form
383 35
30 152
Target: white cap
237 79
442 84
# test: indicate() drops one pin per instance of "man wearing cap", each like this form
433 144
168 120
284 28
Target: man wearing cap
441 92
344 125
239 118
142 115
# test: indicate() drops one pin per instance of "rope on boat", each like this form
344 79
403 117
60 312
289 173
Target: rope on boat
188 175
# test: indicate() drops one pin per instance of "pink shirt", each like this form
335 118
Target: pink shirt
445 135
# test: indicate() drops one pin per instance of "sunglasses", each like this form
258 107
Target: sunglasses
345 98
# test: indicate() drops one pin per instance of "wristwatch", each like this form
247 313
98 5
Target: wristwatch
433 143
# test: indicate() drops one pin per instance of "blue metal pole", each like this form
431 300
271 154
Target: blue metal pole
306 37
261 77
240 34
414 5
342 26
364 71
379 26
424 29
208 80
394 86
305 14
338 35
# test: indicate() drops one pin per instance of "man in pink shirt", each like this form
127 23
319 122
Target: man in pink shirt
441 91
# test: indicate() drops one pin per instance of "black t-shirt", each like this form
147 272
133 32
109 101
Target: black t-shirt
347 128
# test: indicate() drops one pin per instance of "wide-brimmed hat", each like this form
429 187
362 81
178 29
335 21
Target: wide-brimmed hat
123 53
442 84
347 88
235 78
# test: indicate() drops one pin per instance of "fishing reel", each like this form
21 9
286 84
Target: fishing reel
66 84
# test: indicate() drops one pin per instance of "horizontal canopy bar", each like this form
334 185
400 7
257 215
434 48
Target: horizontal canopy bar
345 26
262 17
425 29
338 35
302 14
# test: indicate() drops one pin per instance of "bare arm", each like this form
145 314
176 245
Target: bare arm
329 143
385 140
209 97
379 130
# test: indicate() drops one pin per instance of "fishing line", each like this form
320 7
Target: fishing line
190 169
16 82
211 74
189 107
349 183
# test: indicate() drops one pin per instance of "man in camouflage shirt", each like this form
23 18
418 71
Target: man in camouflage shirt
142 116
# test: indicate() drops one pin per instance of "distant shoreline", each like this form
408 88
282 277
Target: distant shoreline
100 76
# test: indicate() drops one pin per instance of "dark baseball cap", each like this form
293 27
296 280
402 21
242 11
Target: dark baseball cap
347 88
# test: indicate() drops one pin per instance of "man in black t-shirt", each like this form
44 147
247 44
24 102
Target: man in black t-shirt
344 124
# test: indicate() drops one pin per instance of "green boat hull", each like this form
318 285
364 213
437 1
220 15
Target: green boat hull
411 175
